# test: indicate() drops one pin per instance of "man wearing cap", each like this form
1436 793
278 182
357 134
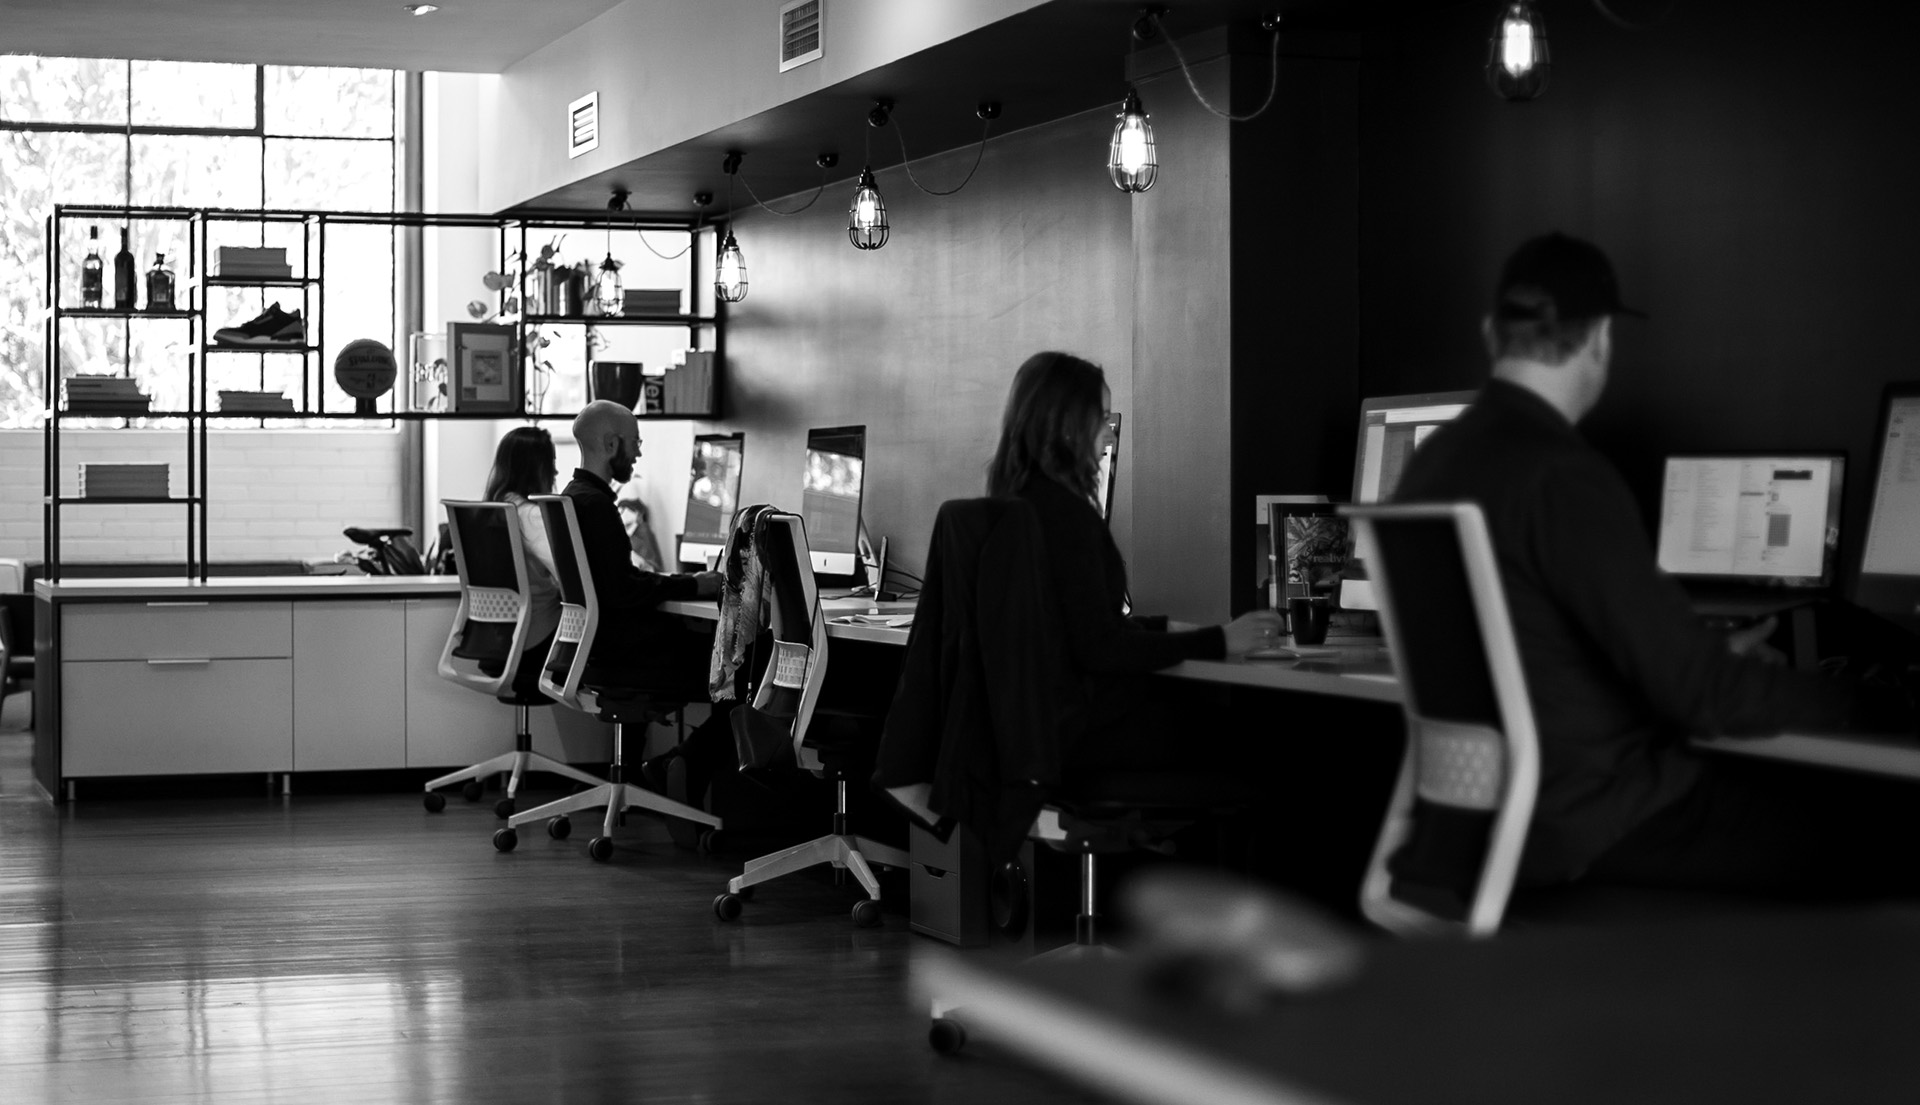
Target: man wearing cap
1619 668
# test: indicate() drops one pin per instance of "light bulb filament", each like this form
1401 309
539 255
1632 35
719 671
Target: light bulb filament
1516 46
1133 145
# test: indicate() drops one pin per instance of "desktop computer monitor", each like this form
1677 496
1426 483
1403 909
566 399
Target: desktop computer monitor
830 496
713 494
1889 580
1391 427
1104 475
1771 519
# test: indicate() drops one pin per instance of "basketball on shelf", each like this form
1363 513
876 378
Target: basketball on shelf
365 369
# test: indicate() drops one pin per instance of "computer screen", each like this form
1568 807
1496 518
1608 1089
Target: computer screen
830 499
1391 427
1753 518
713 493
1104 477
1889 580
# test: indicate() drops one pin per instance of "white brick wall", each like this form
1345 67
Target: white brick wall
274 494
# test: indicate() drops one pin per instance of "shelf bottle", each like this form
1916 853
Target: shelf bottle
159 285
92 271
123 276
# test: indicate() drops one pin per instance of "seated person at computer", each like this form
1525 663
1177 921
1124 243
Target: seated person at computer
636 642
524 465
1051 437
1619 668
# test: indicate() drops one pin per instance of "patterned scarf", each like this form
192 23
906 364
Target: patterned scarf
742 596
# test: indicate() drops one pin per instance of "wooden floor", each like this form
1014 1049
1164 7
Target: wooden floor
354 948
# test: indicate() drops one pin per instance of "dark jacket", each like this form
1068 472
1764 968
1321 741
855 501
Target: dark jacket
632 627
977 711
1619 668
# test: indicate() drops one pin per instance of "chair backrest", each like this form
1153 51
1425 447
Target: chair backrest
490 627
797 629
1450 845
579 609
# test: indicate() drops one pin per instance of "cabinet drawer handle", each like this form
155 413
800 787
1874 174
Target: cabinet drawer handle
178 663
200 603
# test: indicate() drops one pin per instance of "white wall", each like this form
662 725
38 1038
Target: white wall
275 494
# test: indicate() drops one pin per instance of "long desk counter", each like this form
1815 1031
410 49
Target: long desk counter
268 674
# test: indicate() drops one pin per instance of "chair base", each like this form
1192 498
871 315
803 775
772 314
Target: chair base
842 850
518 763
617 798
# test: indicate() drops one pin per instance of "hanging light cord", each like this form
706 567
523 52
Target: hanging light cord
1629 25
783 214
979 151
1273 85
642 235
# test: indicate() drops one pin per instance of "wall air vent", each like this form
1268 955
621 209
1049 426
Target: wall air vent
583 124
801 23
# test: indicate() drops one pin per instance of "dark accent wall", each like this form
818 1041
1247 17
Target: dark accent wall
1752 170
919 340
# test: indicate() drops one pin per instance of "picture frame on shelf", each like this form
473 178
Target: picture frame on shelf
485 370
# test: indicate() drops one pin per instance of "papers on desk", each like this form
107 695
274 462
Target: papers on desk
1293 652
886 621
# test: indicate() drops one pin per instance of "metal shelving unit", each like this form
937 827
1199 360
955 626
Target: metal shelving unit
195 285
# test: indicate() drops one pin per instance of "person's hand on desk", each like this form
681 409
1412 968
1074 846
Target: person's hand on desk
1254 630
706 585
1751 640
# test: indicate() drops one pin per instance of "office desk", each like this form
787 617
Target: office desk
1758 1010
709 610
1891 754
1357 671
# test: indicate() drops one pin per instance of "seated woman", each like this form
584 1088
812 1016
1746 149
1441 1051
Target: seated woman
523 465
1051 438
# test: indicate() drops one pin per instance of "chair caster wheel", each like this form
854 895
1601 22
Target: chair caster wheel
434 801
600 848
946 1035
505 839
727 907
709 842
472 791
503 809
866 913
560 828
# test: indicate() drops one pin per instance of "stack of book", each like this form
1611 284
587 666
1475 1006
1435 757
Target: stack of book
651 301
235 402
123 481
688 388
88 394
253 262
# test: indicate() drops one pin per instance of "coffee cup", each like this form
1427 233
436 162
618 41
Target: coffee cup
1307 619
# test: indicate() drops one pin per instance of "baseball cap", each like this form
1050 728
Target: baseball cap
1555 277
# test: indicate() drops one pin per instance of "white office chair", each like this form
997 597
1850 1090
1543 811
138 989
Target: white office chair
1450 846
561 679
784 702
489 637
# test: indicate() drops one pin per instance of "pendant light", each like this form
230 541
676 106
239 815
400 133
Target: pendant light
1131 160
1517 59
867 215
730 267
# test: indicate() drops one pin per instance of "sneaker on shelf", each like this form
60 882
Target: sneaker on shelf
270 327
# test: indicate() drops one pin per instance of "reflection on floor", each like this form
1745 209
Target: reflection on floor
354 948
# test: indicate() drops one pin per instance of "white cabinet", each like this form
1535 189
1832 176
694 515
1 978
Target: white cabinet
349 685
447 725
173 688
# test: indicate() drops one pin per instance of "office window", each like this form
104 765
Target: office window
114 132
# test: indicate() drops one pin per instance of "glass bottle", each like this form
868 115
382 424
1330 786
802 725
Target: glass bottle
92 271
123 275
159 285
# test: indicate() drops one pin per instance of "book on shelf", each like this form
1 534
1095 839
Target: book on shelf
651 301
93 394
123 481
261 262
254 401
688 387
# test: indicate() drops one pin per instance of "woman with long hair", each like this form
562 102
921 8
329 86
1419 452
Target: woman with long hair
524 465
1051 437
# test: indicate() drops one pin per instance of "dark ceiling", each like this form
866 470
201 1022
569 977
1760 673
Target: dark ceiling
1050 62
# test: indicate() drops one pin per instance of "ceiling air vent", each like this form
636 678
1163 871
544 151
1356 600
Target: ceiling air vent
583 124
800 32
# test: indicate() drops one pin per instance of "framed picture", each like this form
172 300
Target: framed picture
486 374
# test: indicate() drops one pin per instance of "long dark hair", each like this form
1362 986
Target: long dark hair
524 463
1050 425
